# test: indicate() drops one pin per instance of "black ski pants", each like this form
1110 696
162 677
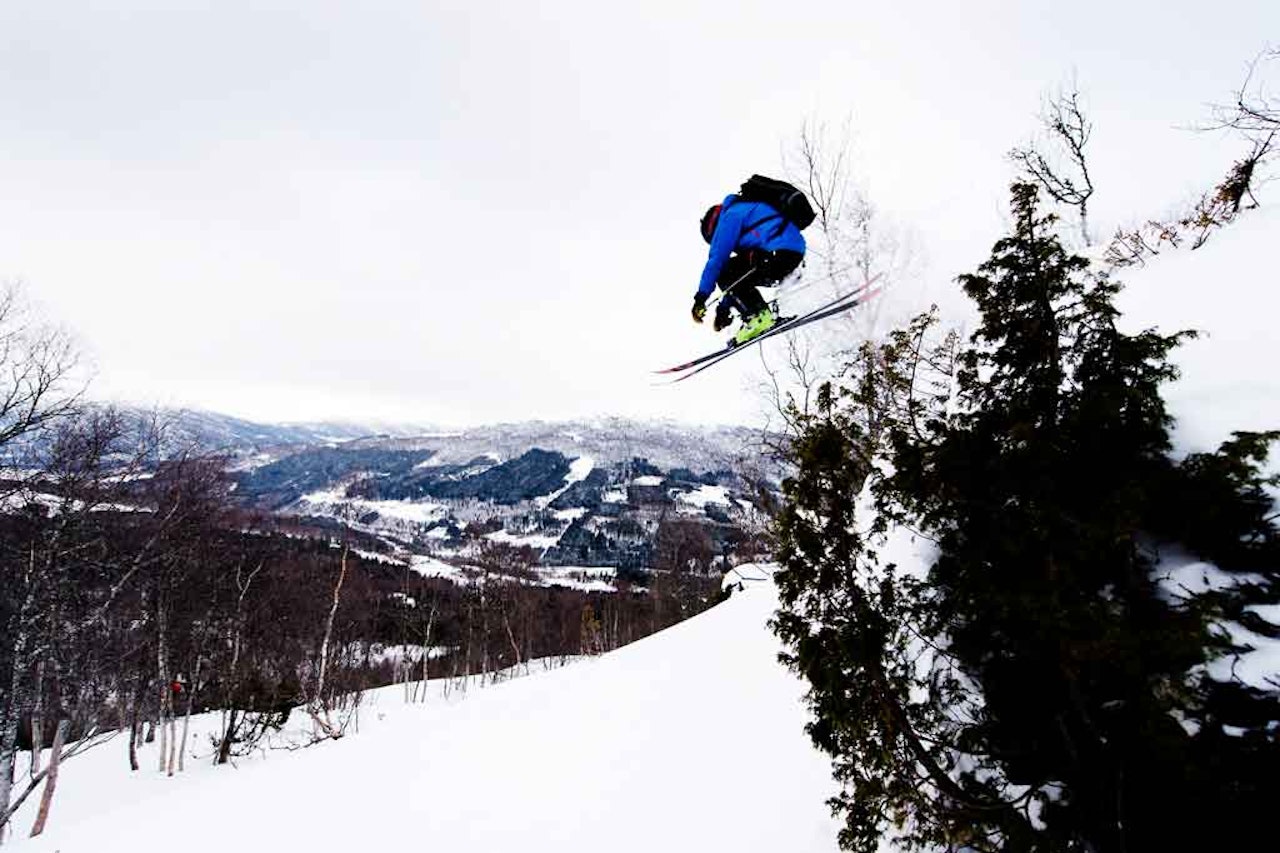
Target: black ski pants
762 269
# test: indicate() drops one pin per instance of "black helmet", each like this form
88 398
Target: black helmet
709 220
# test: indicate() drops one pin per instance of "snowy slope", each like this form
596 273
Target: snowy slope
1227 290
688 740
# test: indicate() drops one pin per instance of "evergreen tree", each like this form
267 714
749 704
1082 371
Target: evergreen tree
1038 688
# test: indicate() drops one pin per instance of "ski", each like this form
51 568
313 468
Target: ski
783 325
791 325
795 323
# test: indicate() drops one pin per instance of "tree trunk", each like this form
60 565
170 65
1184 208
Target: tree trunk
426 651
466 669
11 710
51 780
122 707
186 719
165 711
229 697
6 782
321 706
233 679
511 638
37 721
172 761
484 628
8 756
228 733
133 729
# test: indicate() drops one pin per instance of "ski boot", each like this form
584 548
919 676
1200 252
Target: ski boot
755 326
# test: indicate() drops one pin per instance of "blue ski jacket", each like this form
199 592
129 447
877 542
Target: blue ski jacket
746 225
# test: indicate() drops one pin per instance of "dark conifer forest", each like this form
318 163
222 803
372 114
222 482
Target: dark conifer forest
1038 687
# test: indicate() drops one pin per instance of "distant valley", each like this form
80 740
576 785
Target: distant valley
592 500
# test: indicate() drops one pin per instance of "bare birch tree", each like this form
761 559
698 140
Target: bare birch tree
53 551
36 392
37 364
51 780
1255 111
426 650
319 705
850 245
231 678
1058 163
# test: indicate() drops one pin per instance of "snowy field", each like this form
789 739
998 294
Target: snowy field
1228 291
691 739
585 578
417 512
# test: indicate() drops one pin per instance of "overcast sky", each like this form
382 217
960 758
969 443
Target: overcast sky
476 211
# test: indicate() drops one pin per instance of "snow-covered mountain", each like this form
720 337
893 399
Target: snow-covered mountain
668 444
214 431
572 510
588 493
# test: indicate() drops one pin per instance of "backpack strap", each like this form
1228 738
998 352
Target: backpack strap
754 225
781 225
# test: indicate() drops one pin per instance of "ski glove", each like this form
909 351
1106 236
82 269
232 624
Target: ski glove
699 307
724 316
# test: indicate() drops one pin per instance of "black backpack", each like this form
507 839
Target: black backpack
782 197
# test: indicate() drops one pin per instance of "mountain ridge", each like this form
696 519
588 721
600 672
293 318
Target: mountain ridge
595 492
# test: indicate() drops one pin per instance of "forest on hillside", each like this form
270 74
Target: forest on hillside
136 591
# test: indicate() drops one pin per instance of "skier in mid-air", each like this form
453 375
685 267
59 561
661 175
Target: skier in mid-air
754 244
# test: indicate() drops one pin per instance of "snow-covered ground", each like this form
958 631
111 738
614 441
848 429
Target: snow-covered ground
537 541
433 568
704 495
1182 574
375 557
578 470
691 739
400 653
585 578
418 512
1227 290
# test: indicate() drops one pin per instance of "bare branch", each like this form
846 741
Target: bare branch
1254 111
36 364
1064 178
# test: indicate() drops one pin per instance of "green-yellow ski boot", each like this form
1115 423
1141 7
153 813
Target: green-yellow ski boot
754 327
